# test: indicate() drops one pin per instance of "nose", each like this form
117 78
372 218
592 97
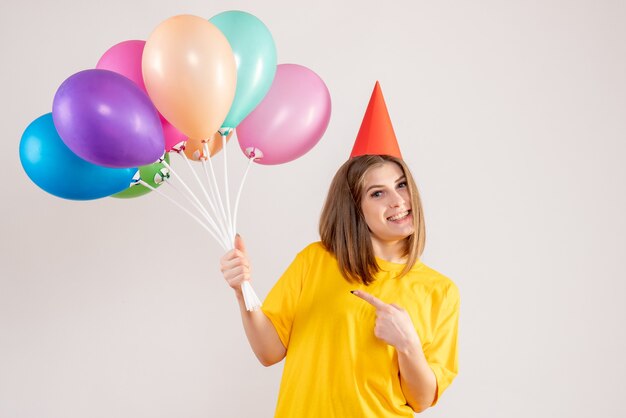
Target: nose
396 200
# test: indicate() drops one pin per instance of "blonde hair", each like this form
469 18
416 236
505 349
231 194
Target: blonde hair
343 229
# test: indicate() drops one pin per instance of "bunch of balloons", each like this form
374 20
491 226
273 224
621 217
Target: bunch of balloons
185 91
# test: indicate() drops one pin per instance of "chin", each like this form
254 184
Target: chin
391 239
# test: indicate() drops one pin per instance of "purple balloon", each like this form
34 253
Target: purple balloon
104 118
290 120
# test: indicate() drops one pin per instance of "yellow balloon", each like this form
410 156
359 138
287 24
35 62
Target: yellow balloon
190 74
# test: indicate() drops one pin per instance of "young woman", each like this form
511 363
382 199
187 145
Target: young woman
366 328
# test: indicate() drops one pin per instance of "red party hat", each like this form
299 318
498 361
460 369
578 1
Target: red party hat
376 135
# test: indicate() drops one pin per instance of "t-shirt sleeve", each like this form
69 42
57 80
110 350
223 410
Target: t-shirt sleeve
282 301
442 353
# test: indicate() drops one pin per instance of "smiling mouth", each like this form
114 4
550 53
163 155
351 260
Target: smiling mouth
399 216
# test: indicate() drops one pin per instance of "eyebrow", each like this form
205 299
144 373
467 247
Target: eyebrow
403 177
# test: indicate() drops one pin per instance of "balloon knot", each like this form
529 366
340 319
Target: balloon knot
254 153
178 148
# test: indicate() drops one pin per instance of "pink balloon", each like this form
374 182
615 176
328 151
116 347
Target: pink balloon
125 59
172 135
290 120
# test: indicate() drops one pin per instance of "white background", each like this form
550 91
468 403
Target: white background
511 115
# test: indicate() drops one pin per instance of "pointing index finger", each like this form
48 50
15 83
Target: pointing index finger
371 299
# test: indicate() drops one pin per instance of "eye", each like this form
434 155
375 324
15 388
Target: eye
402 185
376 194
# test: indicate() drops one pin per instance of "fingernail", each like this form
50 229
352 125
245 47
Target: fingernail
353 292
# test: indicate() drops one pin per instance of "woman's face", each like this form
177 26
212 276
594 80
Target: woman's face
386 203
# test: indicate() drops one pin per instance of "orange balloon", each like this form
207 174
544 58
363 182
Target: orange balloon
190 74
194 148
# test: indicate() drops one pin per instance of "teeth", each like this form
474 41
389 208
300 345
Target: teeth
398 216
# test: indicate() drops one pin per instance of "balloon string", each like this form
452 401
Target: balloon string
243 180
143 183
200 209
250 298
211 180
191 193
218 214
217 190
223 230
226 189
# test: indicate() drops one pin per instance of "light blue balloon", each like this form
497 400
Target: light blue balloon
53 167
255 54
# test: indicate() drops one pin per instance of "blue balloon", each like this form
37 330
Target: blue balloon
255 54
54 168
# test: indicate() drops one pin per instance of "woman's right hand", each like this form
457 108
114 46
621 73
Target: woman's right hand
260 331
235 265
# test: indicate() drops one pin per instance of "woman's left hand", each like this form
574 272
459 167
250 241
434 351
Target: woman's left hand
393 323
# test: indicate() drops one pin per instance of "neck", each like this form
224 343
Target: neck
389 251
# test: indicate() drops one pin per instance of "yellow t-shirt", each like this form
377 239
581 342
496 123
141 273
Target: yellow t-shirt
335 366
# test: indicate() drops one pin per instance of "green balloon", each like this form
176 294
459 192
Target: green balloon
147 173
255 54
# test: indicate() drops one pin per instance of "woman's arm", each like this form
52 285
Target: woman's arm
260 331
394 326
417 379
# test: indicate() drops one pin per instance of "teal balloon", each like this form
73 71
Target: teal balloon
54 168
255 54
